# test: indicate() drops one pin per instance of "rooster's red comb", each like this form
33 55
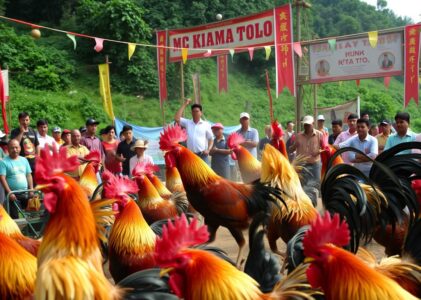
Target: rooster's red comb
116 187
235 139
277 131
94 156
326 230
140 169
171 136
179 235
52 162
150 168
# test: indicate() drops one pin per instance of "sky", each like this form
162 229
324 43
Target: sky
409 8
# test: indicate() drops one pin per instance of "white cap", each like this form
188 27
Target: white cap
308 120
320 117
244 115
2 134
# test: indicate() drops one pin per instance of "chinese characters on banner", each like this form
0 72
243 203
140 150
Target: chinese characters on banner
412 56
284 55
222 73
161 40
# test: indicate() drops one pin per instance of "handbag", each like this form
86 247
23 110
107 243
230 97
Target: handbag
34 203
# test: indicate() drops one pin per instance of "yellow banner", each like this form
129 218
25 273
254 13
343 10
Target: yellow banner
372 38
184 54
105 90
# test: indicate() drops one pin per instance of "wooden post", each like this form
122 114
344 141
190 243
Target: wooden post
315 100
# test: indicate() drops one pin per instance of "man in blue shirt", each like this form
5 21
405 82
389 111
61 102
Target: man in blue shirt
365 143
15 174
403 134
251 135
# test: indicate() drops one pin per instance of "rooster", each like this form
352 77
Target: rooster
277 140
248 164
339 273
70 240
88 179
197 274
173 179
220 201
18 269
9 227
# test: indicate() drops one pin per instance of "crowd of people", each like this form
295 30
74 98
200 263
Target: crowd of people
120 153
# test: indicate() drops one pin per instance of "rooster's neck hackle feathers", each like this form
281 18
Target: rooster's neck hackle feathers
7 225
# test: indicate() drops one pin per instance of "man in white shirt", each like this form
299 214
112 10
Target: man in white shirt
345 135
199 133
43 137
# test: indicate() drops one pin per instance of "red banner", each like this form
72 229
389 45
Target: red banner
412 57
222 73
3 104
161 40
284 54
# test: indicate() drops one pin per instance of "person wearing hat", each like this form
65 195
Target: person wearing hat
309 144
90 140
220 152
139 148
403 133
66 136
251 135
384 135
43 138
82 131
321 125
57 136
345 135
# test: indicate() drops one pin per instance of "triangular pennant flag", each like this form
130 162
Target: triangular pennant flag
357 82
268 49
184 54
251 52
332 44
372 38
208 53
131 48
73 38
232 51
99 44
297 49
387 81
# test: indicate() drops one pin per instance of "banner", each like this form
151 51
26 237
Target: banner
161 40
340 112
3 103
5 75
284 54
356 58
222 73
412 58
246 32
105 89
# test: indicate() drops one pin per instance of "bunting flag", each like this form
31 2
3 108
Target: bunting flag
184 54
131 48
222 65
73 38
99 44
232 51
372 38
412 57
3 103
270 96
297 49
332 44
251 52
268 49
161 52
358 82
284 55
208 53
105 89
387 81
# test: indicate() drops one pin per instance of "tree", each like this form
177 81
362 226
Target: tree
381 4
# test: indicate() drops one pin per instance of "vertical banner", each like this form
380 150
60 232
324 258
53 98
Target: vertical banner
5 74
3 103
284 54
196 88
222 73
412 57
105 89
161 40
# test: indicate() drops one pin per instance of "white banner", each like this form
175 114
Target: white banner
356 59
5 74
340 112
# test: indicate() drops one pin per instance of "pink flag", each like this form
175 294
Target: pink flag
251 52
297 49
99 44
387 81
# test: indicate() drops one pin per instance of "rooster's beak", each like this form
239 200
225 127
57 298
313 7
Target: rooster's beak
165 271
308 260
41 187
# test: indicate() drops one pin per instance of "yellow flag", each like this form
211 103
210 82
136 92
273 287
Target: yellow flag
105 90
131 48
268 49
184 53
372 38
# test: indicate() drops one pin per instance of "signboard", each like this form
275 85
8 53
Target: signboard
356 59
340 112
244 32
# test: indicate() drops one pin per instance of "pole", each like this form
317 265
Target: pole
182 83
298 107
315 100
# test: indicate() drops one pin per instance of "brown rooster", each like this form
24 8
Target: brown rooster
172 178
220 201
70 240
88 180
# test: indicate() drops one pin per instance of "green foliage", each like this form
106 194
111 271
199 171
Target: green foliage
90 110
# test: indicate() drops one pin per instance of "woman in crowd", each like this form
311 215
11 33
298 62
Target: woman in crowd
110 144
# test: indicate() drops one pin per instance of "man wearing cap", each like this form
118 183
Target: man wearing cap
251 135
139 148
220 152
57 136
43 137
321 124
90 140
199 134
66 136
384 135
345 135
309 144
403 134
124 152
76 148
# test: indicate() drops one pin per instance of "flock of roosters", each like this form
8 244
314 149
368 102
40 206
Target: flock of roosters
156 247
